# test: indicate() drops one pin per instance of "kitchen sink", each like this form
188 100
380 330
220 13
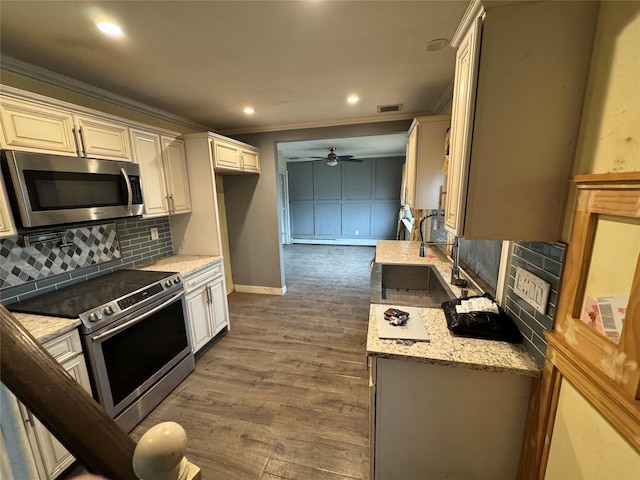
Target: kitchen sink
411 285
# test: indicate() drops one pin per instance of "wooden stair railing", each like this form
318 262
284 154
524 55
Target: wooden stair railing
78 421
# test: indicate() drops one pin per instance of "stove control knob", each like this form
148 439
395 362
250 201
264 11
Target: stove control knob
93 317
176 280
108 310
168 283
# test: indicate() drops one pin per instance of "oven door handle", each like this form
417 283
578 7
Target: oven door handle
119 328
129 192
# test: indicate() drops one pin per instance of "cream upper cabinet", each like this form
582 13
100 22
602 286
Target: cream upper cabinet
147 152
250 160
175 168
7 225
462 109
163 167
520 80
225 155
102 139
32 126
425 158
232 157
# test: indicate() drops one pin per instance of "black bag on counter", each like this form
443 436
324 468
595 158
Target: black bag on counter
486 325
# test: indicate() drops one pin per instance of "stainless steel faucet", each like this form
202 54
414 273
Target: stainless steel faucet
456 279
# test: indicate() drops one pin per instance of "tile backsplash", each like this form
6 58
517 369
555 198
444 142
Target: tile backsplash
63 252
93 251
545 260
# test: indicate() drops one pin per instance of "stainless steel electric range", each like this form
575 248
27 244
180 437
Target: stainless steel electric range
135 334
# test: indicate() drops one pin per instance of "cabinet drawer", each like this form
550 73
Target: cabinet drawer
65 346
198 279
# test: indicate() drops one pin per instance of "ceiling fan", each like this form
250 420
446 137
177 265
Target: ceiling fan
332 159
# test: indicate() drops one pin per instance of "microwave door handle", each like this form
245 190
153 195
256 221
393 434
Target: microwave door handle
129 192
119 328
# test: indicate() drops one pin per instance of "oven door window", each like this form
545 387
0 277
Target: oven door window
134 355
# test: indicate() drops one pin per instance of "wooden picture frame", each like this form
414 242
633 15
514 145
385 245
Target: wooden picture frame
605 373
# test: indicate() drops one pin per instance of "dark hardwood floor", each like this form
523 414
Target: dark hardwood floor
284 394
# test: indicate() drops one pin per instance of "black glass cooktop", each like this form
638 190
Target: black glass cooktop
70 302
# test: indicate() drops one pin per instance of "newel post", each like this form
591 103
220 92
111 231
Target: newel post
159 454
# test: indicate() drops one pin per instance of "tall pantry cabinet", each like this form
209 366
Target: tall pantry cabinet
520 79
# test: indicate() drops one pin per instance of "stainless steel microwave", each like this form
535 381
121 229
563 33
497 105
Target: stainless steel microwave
52 190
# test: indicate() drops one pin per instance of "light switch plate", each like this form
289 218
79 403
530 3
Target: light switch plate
154 233
532 289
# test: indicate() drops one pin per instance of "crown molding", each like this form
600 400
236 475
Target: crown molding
445 98
328 123
41 74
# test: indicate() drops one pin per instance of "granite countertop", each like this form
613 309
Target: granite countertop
45 328
184 264
444 348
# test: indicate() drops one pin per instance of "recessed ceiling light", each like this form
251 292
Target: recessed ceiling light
437 44
353 99
110 28
249 111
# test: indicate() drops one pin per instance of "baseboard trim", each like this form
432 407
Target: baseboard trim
368 242
261 290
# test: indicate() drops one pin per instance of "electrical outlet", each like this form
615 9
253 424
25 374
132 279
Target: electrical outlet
154 233
532 289
357 232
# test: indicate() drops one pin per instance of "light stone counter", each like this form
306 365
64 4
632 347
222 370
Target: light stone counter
444 348
184 264
45 328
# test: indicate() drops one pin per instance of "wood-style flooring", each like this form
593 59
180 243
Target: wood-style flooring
284 394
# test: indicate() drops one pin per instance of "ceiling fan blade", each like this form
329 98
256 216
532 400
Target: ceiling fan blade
319 157
359 160
345 157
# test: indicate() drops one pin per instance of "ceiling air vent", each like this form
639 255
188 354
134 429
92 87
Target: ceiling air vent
389 108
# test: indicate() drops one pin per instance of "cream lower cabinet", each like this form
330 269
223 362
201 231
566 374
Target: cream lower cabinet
34 127
207 306
33 451
163 167
520 80
438 421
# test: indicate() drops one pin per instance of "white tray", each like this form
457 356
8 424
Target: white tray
412 330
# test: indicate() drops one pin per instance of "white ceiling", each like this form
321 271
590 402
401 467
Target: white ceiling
375 146
295 62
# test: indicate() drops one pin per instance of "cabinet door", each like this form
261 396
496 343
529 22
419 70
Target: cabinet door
103 139
175 163
199 313
7 226
250 161
35 128
55 457
147 152
226 155
410 168
464 93
219 305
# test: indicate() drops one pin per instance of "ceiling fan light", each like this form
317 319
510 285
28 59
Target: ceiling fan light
332 163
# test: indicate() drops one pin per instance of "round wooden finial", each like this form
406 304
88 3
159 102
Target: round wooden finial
159 454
